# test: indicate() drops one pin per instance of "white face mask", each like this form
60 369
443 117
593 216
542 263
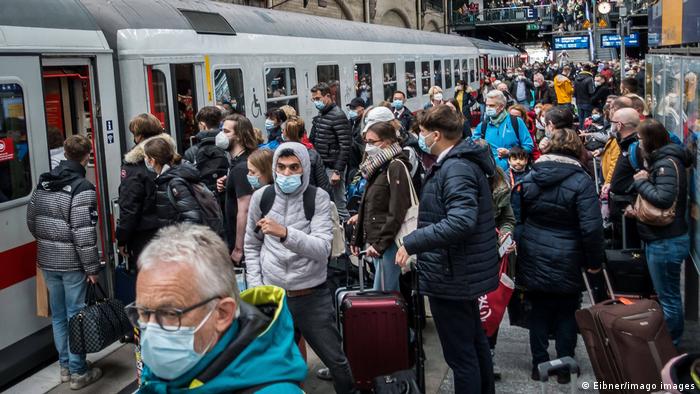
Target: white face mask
372 150
437 97
222 141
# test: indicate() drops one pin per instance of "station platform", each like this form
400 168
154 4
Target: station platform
512 357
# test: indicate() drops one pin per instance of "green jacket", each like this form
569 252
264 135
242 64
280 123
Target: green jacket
505 219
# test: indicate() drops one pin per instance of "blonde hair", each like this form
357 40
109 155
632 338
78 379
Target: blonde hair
288 110
433 91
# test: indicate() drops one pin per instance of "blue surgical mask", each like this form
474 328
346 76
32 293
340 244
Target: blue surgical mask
352 114
269 124
595 116
491 112
254 181
169 354
319 105
149 167
398 104
288 184
424 145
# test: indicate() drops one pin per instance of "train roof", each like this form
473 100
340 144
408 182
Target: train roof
116 15
53 14
492 45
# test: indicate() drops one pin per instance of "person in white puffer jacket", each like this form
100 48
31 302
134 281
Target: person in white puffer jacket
288 244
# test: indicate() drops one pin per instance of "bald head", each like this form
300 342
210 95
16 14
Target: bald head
628 120
620 102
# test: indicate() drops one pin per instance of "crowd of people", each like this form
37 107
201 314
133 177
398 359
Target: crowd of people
512 160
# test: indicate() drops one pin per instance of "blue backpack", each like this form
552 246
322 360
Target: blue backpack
632 151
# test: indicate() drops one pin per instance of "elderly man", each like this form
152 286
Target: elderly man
544 94
197 333
501 130
624 124
287 244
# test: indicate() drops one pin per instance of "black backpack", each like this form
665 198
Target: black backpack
212 163
208 204
268 198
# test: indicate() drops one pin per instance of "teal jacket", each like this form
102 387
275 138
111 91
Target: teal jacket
263 339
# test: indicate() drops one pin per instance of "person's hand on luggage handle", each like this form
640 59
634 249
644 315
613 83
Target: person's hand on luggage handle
605 190
372 252
236 256
355 250
122 251
221 183
630 212
594 270
270 227
92 279
642 175
353 219
597 152
402 257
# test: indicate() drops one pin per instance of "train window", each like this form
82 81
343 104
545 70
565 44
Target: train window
455 70
363 82
15 168
186 103
472 72
228 89
330 74
159 93
448 73
437 72
425 77
390 85
281 84
465 71
410 79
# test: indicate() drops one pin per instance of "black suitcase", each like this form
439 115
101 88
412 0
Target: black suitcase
629 273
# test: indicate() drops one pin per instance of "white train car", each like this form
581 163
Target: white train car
88 66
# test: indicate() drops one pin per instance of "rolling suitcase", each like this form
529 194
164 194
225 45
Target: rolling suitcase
629 273
626 341
374 328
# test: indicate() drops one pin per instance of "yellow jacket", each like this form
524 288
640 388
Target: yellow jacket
611 153
564 89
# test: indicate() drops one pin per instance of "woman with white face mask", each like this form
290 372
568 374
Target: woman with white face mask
387 198
435 95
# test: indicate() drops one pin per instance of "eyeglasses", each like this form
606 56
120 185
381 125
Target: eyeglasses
372 142
169 319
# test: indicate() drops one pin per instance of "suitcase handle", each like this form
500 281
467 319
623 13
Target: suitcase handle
565 363
608 285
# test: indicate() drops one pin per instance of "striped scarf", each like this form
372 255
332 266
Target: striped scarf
371 164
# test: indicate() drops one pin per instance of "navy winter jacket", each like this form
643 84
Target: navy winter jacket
456 237
563 229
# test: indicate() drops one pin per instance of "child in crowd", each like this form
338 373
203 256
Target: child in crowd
519 166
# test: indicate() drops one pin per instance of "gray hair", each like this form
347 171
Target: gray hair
498 96
538 75
201 249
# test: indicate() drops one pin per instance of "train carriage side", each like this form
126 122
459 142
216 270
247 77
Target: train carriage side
494 55
56 80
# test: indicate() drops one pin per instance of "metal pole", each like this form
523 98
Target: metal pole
622 47
594 19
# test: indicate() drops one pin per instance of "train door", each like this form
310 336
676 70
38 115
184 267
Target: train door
23 157
173 98
70 103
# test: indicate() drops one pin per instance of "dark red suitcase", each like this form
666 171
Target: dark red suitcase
374 327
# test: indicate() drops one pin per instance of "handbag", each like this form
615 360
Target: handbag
649 214
401 382
410 220
492 306
100 323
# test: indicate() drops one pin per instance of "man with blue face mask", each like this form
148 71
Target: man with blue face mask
501 130
288 246
198 334
356 111
402 113
331 136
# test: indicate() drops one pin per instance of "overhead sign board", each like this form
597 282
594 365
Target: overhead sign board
571 42
613 40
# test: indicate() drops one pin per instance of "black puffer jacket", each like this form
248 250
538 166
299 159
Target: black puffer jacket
663 188
186 207
331 136
563 229
584 88
456 236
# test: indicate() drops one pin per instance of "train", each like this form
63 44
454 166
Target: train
88 66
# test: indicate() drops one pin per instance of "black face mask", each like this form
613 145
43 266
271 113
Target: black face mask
135 143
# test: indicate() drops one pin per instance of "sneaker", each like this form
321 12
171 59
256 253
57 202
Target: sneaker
77 382
324 374
65 375
563 377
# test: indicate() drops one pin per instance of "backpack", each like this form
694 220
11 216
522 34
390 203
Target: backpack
208 204
212 163
632 151
309 198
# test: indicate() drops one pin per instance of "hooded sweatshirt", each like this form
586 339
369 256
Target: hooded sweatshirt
300 261
258 350
62 215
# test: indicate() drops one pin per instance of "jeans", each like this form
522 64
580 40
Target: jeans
66 298
584 112
665 258
552 313
338 195
385 266
314 318
464 344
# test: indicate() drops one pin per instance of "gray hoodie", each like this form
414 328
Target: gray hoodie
300 261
